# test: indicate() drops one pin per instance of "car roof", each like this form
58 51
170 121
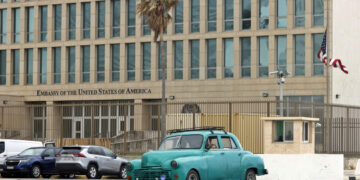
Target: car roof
203 132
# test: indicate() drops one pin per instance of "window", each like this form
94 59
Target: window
57 22
146 57
2 67
211 58
3 25
100 63
39 118
299 55
146 29
263 56
30 24
318 12
16 21
49 152
264 14
211 16
281 18
179 17
131 17
3 1
229 15
85 63
71 64
299 13
318 66
101 19
72 21
246 14
228 58
281 53
15 66
284 131
160 64
191 141
29 65
115 62
43 23
170 143
212 140
178 58
86 17
245 57
116 18
57 64
130 61
43 65
305 131
228 143
195 16
195 56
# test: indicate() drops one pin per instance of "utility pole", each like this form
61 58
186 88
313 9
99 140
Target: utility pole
281 80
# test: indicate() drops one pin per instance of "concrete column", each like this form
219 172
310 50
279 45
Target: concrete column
49 66
22 24
186 60
79 21
108 20
186 15
64 22
92 64
290 56
170 60
9 70
138 23
203 17
22 68
123 60
36 66
219 18
236 57
50 31
290 14
308 55
123 21
254 16
36 24
138 61
52 121
141 116
219 58
237 20
154 63
63 65
254 57
202 60
78 64
272 54
107 63
9 21
308 17
272 15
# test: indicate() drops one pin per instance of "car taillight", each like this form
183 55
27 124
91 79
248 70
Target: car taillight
79 155
57 155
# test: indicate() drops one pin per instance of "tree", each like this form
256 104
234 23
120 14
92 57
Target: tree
158 17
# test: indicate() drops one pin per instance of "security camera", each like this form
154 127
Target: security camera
282 80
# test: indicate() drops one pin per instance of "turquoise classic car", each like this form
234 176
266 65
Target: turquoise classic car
206 154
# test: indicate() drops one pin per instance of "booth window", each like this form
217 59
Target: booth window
305 131
284 131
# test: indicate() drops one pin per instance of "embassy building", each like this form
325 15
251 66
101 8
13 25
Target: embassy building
84 51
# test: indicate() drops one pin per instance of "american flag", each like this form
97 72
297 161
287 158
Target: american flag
333 62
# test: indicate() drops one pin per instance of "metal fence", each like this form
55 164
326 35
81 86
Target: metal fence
128 127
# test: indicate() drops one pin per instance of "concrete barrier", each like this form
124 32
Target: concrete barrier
303 166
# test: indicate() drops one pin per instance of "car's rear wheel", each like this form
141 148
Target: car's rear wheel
192 175
92 172
250 174
122 173
35 171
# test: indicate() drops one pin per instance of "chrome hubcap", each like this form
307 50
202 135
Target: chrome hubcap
123 173
251 176
36 172
193 177
93 172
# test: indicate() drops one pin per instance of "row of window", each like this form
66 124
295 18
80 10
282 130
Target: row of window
228 25
178 56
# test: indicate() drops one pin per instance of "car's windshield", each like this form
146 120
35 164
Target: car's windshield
170 143
32 152
186 142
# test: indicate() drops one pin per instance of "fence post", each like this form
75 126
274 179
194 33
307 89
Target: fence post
347 130
92 125
268 109
193 114
342 134
61 125
230 117
125 126
330 129
158 127
2 123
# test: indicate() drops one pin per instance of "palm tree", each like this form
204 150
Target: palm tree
158 17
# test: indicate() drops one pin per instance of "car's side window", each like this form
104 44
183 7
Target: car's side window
49 152
212 142
228 143
108 153
100 151
91 150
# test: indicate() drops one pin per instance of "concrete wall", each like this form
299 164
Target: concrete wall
345 32
303 167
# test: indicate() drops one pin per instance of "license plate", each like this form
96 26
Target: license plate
66 159
10 167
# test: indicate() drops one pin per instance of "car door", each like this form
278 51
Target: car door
111 162
48 160
100 157
232 155
216 161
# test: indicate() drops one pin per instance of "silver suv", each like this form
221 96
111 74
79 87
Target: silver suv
92 161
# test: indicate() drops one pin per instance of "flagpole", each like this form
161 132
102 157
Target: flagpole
327 130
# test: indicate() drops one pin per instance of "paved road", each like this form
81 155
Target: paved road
57 177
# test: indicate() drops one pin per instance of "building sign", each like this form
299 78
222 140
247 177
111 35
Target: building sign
99 91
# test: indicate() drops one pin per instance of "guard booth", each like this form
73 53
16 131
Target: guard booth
289 135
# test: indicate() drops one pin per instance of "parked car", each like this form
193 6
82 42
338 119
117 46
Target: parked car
204 153
92 161
33 161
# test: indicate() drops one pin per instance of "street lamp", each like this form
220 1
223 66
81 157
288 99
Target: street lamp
281 75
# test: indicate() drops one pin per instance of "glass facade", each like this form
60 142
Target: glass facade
115 62
211 16
211 58
195 59
16 24
15 66
263 56
160 62
115 18
100 63
245 57
318 12
195 16
43 65
146 29
71 64
30 24
318 66
86 18
228 58
130 61
281 18
3 67
178 59
246 14
3 25
229 15
43 23
146 61
85 50
57 22
299 13
281 53
179 17
29 60
57 65
101 19
72 21
299 55
131 17
264 14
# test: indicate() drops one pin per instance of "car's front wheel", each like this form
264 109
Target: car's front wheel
122 173
92 172
250 174
35 171
192 175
